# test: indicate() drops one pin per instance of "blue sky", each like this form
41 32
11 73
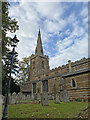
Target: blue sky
64 29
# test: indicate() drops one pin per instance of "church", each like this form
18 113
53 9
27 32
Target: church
70 81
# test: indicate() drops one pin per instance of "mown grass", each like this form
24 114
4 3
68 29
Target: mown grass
62 110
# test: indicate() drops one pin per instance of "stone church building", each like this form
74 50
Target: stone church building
70 81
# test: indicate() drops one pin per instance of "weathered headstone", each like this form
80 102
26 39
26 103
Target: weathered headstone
13 98
32 97
19 98
9 98
61 96
57 100
28 97
38 96
50 97
44 99
66 97
35 96
23 97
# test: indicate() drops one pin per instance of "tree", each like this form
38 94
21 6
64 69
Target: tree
8 25
23 70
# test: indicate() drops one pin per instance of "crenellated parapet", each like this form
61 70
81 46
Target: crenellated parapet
71 66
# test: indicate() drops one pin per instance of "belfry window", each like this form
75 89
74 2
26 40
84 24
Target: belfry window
33 64
43 64
73 83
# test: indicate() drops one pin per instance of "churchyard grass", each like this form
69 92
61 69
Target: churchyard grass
62 110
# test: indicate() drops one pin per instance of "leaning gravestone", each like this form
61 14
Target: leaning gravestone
44 99
13 98
57 100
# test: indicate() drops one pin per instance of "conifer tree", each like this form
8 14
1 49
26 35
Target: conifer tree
8 25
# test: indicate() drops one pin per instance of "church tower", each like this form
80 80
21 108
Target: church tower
39 63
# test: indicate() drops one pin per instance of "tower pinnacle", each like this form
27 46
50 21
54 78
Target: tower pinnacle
39 48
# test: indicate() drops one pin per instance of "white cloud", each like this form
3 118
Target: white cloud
49 17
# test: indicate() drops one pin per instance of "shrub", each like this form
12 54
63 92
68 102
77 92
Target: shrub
85 100
78 99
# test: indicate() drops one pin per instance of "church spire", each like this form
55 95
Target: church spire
39 48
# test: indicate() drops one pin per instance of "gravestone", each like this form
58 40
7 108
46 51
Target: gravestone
61 96
50 97
19 98
9 98
35 96
28 97
44 99
57 100
66 97
13 98
32 97
38 96
23 97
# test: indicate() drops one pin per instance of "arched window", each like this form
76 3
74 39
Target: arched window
73 83
34 87
43 64
33 64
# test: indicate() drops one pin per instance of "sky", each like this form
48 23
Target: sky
63 25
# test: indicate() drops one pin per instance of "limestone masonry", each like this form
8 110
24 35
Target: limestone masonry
70 81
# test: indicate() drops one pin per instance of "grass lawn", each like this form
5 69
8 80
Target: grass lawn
62 110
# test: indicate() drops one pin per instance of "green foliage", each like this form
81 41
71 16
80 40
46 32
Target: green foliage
8 25
23 70
78 99
62 110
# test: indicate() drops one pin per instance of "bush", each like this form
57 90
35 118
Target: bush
85 100
78 99
88 99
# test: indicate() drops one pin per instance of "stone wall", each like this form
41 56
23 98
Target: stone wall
81 90
56 83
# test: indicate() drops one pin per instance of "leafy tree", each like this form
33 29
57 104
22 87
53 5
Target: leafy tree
8 25
23 70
